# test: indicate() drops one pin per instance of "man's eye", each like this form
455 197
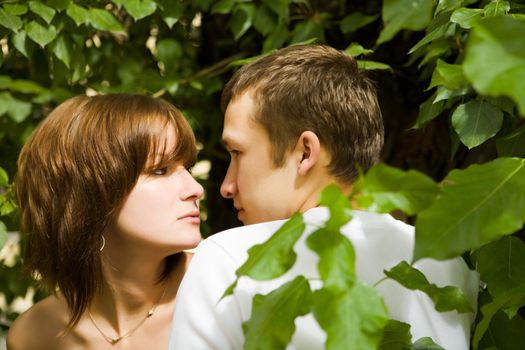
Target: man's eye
160 171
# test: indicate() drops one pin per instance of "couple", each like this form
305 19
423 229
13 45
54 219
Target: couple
109 209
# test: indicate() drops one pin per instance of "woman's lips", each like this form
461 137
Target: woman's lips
193 218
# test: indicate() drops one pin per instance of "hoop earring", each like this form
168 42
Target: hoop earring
103 243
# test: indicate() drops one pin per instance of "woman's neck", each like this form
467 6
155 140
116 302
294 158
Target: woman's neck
127 290
129 293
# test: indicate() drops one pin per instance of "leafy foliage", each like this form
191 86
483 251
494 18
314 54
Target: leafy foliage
446 298
273 324
450 75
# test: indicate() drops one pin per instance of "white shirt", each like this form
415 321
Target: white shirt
201 321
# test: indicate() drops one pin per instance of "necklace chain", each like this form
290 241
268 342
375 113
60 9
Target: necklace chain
115 339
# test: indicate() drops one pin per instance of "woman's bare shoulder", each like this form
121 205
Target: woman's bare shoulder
39 326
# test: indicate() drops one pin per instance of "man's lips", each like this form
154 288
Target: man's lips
240 211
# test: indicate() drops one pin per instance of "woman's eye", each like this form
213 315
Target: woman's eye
234 152
161 171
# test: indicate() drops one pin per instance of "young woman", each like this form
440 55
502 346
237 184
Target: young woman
108 207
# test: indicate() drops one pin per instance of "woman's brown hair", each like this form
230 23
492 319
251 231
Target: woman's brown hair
74 173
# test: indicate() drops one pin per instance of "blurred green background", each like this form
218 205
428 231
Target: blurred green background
450 77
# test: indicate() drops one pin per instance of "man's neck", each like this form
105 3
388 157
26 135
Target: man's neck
312 198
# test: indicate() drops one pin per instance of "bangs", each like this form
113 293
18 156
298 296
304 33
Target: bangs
163 151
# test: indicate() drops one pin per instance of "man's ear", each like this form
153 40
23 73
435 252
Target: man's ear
309 148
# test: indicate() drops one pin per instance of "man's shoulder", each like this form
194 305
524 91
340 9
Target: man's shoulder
382 226
241 237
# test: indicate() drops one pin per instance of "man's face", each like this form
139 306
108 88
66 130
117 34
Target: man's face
260 191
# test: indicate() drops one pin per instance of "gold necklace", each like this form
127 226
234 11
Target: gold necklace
115 339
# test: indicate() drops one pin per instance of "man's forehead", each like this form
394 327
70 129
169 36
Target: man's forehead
239 119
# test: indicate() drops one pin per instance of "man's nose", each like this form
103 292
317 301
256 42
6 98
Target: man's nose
229 184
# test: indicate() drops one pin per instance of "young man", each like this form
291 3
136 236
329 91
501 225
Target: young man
295 121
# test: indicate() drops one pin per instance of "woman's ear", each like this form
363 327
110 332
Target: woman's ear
309 148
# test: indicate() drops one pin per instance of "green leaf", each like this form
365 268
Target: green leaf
435 49
428 110
439 29
352 319
445 298
52 95
355 49
103 20
477 205
495 58
466 17
501 265
437 33
396 336
271 324
22 44
4 178
242 19
475 122
172 12
7 204
503 103
404 14
16 109
223 6
442 93
264 20
503 333
59 5
3 234
25 86
515 296
372 65
425 343
277 38
311 28
274 257
47 13
280 7
497 8
129 71
448 75
447 5
16 9
512 145
139 9
78 14
340 208
172 87
197 85
63 49
354 21
10 21
169 52
40 34
386 189
336 258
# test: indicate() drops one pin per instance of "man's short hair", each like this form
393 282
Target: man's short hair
315 88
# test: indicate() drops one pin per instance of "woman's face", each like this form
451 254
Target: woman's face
162 210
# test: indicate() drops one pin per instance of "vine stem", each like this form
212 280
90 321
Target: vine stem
380 281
